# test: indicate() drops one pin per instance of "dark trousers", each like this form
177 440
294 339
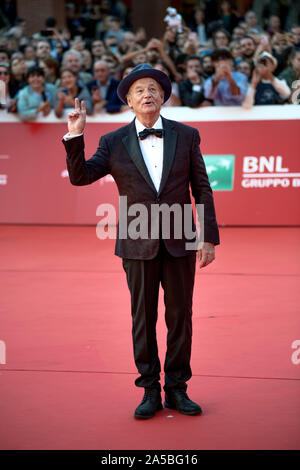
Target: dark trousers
176 276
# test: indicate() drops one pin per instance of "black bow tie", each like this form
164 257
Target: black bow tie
157 132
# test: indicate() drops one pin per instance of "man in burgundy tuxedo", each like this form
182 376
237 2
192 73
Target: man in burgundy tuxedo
154 161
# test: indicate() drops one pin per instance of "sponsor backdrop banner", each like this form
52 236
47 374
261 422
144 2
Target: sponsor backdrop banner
253 167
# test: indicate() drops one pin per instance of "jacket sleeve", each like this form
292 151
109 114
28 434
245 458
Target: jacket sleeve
202 193
114 103
81 171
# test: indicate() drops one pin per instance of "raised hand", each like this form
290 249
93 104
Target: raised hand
256 77
76 118
44 107
96 95
193 76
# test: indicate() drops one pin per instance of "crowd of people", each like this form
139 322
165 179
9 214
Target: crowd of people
216 57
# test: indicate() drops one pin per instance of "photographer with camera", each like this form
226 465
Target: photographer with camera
192 88
53 36
265 88
226 87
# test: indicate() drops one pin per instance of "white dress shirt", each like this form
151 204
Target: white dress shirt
68 136
152 149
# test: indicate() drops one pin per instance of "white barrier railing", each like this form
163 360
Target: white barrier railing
184 114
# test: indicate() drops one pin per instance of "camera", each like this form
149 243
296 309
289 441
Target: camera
263 61
46 33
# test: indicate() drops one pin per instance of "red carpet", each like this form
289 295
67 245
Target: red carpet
68 381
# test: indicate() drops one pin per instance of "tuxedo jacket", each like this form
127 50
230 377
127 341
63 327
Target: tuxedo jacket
119 154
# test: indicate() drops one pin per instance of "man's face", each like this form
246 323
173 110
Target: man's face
4 57
43 50
128 39
280 44
145 97
221 39
29 53
296 62
111 63
4 42
97 48
73 63
114 25
247 47
193 65
101 72
180 40
152 55
296 33
207 64
140 59
223 65
238 33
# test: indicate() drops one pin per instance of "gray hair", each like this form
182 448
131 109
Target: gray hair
72 52
101 61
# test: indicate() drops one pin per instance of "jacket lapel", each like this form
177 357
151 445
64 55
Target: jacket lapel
133 148
170 141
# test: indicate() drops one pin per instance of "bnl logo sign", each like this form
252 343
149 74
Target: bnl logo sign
2 352
220 171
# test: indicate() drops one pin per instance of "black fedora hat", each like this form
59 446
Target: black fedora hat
143 71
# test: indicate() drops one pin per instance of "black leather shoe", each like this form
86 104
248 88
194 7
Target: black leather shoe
178 400
149 405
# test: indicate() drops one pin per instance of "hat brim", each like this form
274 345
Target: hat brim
270 57
160 77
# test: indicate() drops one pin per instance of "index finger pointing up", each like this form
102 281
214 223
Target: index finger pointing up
83 109
77 107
